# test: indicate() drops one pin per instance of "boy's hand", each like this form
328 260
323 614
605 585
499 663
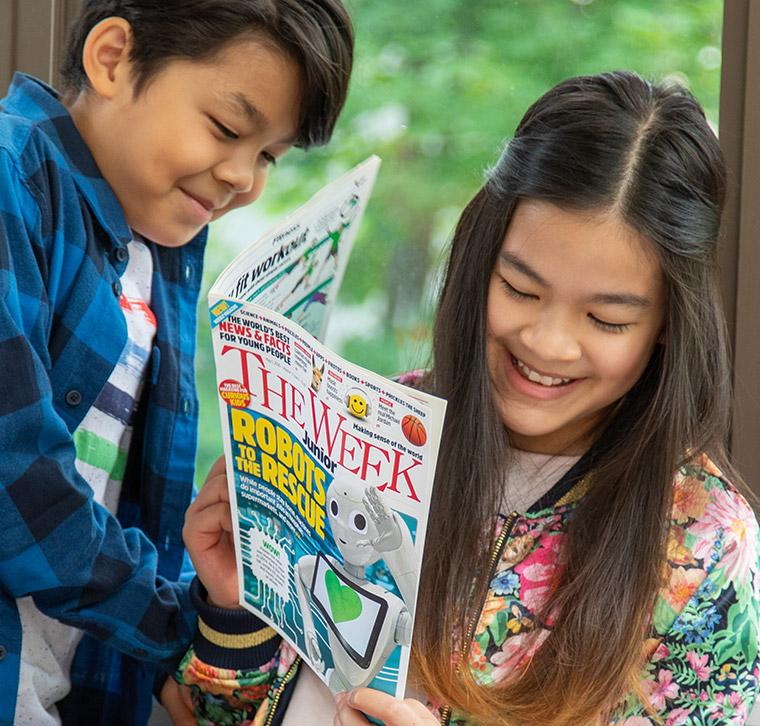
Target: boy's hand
352 706
208 538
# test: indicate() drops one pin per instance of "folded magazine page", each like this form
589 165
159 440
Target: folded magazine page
330 466
296 268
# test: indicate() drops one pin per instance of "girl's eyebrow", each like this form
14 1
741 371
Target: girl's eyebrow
627 299
513 261
624 298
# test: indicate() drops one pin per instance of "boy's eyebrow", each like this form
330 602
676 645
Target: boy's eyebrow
628 299
239 103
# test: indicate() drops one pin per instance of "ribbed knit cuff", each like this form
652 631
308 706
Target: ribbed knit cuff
234 639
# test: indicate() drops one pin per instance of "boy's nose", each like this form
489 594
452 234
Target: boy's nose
237 173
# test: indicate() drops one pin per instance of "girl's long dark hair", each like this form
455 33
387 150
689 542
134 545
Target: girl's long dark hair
607 143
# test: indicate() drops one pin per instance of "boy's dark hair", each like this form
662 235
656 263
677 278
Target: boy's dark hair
317 34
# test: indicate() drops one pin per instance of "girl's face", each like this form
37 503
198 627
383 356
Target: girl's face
576 304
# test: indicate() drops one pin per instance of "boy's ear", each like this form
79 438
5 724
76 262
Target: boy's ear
105 56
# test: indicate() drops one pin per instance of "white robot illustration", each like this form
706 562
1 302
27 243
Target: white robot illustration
365 620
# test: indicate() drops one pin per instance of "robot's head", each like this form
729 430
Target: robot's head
349 519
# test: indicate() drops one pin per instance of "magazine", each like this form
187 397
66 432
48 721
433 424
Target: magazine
330 465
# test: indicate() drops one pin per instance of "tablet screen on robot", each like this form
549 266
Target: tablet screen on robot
354 614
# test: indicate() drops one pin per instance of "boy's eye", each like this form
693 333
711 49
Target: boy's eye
515 293
609 327
229 133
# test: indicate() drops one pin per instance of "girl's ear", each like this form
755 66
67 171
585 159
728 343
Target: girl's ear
105 57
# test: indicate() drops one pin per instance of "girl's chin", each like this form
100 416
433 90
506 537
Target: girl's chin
545 436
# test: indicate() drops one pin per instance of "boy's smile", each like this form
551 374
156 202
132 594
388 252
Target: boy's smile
197 141
575 306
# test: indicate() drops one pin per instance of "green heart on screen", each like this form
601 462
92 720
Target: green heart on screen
344 602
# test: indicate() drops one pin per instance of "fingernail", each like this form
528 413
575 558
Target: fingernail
351 697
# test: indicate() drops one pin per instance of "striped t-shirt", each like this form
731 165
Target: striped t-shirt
102 443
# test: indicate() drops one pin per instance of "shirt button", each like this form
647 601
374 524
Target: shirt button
120 254
3 652
73 397
188 272
116 287
185 406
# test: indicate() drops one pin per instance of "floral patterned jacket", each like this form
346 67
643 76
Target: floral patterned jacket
703 644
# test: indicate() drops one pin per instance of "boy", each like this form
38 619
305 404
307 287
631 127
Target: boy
171 114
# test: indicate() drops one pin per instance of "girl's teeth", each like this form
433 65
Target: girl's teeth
532 375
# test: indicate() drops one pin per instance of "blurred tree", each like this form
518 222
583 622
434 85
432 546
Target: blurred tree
438 86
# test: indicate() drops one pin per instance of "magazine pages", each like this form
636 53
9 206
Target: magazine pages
330 466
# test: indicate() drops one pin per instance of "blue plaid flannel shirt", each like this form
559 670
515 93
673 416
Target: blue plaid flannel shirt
63 242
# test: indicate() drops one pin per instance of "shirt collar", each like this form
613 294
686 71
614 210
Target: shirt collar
41 104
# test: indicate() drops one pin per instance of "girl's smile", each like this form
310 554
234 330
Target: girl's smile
575 308
535 384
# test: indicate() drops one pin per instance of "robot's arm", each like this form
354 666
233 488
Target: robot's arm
389 532
403 632
395 543
304 574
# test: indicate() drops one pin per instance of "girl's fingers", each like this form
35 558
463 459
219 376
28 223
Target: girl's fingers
420 709
179 709
347 716
389 710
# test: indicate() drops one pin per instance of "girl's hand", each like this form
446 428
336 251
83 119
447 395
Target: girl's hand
178 704
208 538
352 706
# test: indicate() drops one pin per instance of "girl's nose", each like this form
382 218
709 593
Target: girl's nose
551 339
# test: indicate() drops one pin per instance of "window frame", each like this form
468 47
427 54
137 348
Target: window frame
32 33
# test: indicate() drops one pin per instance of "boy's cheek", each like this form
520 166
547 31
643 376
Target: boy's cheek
240 200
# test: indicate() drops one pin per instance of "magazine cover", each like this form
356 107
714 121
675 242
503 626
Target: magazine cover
330 466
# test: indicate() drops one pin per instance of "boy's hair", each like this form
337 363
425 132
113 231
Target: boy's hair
316 34
610 143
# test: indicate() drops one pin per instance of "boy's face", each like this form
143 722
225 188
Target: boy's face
198 140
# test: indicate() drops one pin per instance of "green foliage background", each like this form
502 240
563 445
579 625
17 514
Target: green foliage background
438 86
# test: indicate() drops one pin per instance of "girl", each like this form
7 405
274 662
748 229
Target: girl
581 346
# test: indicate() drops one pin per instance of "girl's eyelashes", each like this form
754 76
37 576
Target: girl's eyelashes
609 327
515 293
270 159
229 133
512 291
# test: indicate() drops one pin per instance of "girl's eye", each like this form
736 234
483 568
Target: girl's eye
609 327
515 293
270 159
229 133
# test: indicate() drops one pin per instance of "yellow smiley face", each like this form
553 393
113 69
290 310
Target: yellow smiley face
357 405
